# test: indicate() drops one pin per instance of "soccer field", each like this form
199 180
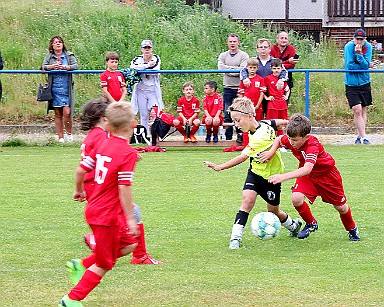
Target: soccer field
188 211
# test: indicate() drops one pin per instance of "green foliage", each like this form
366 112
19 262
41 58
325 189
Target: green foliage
188 211
185 37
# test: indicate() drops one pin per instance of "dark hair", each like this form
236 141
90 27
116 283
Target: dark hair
233 35
91 113
111 56
298 125
276 63
50 48
211 84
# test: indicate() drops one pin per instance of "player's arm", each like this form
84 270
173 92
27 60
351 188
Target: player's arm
125 194
258 104
231 163
79 194
286 93
265 156
107 94
300 172
123 93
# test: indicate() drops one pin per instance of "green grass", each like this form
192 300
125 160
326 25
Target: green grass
188 211
186 38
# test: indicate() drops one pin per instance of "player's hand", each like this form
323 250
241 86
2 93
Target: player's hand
358 48
79 196
265 156
132 226
275 179
247 82
212 165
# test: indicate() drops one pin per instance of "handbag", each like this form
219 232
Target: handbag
44 92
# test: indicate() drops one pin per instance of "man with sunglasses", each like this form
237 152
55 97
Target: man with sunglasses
357 56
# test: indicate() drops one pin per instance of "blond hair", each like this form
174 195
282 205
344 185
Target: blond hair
253 62
120 115
186 84
242 105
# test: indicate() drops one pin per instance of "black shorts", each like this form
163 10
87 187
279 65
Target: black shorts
268 191
359 95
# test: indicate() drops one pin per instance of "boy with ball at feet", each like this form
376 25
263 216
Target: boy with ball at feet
109 209
317 175
261 138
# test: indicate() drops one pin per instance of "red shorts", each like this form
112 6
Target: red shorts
259 114
274 114
328 186
110 239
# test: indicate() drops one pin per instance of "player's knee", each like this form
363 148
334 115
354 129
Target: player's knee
297 199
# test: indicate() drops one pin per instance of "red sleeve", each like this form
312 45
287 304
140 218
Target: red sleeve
263 87
221 105
179 108
103 80
241 88
127 169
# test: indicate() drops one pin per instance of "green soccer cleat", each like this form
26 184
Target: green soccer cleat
67 302
75 269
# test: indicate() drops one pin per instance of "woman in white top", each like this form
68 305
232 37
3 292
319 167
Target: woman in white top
146 93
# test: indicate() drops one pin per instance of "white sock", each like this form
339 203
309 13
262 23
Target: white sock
237 232
289 224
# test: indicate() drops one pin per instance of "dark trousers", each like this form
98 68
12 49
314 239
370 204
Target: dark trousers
228 95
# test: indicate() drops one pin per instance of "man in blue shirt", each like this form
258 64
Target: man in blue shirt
357 56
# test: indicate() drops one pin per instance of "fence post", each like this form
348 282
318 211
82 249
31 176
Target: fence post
307 93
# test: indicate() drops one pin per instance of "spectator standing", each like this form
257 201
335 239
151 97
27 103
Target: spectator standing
213 111
63 102
265 59
233 59
146 93
256 90
188 108
1 67
358 55
112 81
287 53
277 105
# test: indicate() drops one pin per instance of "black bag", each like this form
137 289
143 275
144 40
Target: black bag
139 135
159 129
44 93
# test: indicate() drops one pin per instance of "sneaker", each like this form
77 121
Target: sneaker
67 302
68 138
234 244
146 259
298 223
354 234
208 138
61 140
89 240
75 269
186 140
366 142
193 139
358 140
308 228
239 139
215 138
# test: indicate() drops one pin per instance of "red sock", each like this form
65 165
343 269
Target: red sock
305 213
347 220
141 248
180 129
87 283
194 129
208 128
216 129
89 260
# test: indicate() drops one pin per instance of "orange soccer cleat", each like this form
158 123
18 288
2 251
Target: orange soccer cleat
193 139
186 140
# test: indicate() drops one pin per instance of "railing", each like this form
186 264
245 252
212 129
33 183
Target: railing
306 71
352 8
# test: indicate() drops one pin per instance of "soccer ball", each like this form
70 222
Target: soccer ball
265 225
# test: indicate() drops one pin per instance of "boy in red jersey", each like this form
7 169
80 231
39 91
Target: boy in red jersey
256 90
112 81
188 108
277 105
317 175
110 205
92 118
213 111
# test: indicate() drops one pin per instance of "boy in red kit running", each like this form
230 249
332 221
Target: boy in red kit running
277 105
110 204
93 119
188 108
112 81
256 90
213 111
317 175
